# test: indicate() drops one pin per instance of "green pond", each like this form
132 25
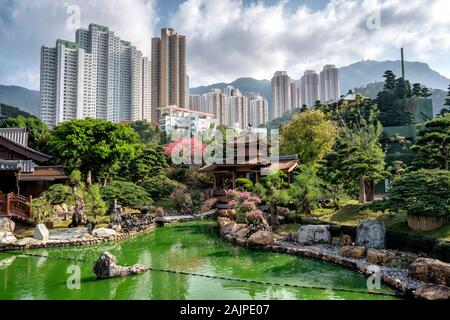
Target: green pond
190 247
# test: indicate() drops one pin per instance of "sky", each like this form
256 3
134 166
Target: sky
228 39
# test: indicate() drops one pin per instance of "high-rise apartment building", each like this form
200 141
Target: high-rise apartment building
258 110
169 75
281 94
310 88
68 83
146 89
195 102
99 76
236 108
329 84
295 100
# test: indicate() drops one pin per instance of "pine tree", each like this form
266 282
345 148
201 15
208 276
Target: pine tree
426 92
417 90
390 80
447 100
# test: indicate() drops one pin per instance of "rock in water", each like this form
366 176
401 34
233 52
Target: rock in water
209 204
371 234
106 267
314 234
41 233
7 225
353 252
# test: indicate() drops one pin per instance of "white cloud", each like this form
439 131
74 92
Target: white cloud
26 25
229 38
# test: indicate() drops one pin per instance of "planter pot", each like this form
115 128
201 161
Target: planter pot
420 223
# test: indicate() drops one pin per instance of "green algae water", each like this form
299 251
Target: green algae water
191 247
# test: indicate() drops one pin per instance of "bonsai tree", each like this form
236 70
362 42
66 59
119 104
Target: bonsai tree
273 191
305 191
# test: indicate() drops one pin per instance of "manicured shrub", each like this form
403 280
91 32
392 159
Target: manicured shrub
127 194
159 186
244 184
421 193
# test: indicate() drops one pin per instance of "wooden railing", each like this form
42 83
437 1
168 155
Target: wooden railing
15 206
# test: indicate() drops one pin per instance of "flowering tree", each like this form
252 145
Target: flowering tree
186 149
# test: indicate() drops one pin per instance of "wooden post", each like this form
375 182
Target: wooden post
8 203
234 180
30 206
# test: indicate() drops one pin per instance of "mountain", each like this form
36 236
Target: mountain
11 112
356 75
362 73
243 84
24 99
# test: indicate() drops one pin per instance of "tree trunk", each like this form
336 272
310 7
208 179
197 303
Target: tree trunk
89 178
362 189
370 190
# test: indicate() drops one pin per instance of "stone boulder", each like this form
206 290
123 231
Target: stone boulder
209 204
282 211
242 233
41 233
261 238
432 292
380 256
312 234
430 270
7 237
159 213
223 213
7 225
26 241
106 267
346 240
371 234
353 252
104 233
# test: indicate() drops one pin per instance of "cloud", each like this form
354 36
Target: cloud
26 25
232 38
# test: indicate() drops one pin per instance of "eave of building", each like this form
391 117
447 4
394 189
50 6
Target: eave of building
24 150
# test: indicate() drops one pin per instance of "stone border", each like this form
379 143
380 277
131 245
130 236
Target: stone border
76 242
359 265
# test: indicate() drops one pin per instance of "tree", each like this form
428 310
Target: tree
433 144
426 92
309 135
306 191
421 193
447 100
159 186
93 146
390 78
417 90
38 132
126 193
273 191
366 160
148 132
150 162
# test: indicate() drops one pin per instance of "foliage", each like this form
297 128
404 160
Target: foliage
433 144
306 190
38 132
150 161
245 204
93 145
94 201
12 112
148 132
159 186
57 195
421 193
126 194
244 184
309 135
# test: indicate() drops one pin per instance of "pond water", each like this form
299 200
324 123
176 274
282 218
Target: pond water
190 247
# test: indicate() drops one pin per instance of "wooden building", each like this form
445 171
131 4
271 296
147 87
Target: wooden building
23 173
249 160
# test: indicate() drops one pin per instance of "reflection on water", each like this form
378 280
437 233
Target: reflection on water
192 247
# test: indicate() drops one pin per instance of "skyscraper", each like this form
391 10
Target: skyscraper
310 88
258 110
68 83
281 94
329 83
236 108
99 76
294 96
169 74
146 89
